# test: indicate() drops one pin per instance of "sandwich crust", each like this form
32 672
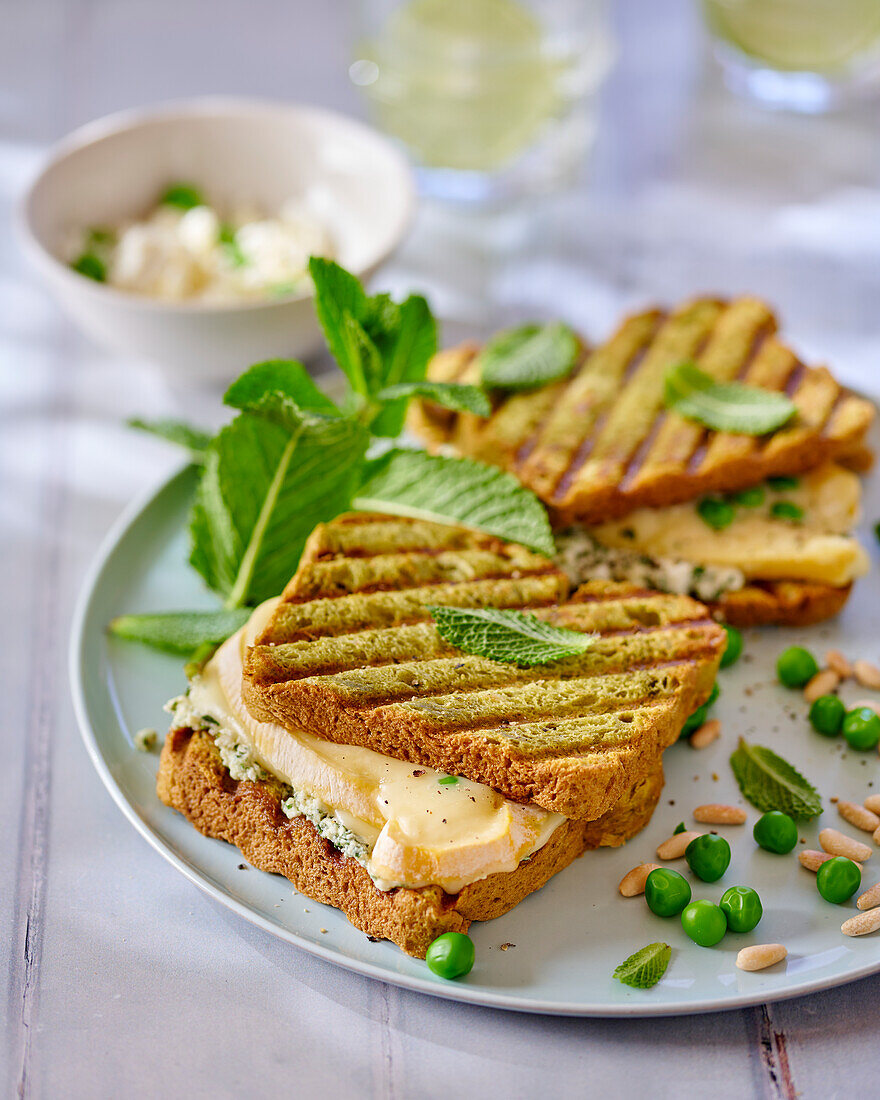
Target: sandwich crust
193 780
781 603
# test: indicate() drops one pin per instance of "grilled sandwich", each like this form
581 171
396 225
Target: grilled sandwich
351 654
624 478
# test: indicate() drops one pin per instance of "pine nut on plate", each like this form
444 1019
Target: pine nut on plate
839 844
674 847
857 815
633 882
871 897
872 803
715 813
877 836
862 924
867 675
823 683
760 956
836 661
707 733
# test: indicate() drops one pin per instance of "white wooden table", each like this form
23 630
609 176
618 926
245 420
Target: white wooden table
123 981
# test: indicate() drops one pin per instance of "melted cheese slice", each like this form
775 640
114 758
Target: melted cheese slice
420 832
818 549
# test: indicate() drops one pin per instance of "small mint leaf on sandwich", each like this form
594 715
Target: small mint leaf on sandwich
179 632
725 406
175 431
771 783
451 395
528 357
455 491
646 967
510 636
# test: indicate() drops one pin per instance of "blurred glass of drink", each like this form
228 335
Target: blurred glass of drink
803 55
491 98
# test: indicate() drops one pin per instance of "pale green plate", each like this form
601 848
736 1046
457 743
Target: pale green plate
569 936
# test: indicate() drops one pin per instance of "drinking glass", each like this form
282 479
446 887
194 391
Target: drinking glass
491 98
804 55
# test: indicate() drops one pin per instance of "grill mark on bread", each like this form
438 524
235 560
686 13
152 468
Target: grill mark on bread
532 439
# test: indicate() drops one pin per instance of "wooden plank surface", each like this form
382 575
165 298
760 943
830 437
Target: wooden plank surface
123 981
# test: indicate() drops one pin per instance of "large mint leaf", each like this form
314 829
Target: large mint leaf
407 340
528 357
176 431
179 632
456 491
264 488
451 395
646 967
725 406
510 636
771 783
339 298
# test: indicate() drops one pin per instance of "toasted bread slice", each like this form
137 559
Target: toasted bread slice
193 780
350 654
600 443
781 603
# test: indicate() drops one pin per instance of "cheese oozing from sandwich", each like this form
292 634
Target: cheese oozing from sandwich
818 548
409 828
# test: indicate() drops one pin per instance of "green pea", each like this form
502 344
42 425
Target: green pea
708 856
451 955
861 728
734 646
826 715
182 195
666 892
781 484
700 714
91 266
742 907
717 513
784 509
704 922
749 498
775 832
796 666
838 879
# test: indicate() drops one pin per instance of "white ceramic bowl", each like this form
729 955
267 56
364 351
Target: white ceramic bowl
238 151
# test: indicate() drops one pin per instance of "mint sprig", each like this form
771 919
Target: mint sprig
725 406
434 487
646 967
528 357
511 636
771 783
179 632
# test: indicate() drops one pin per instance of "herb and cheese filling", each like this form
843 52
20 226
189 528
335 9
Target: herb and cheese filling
676 550
407 825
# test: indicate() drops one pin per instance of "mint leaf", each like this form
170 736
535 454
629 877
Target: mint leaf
511 636
450 395
179 632
272 387
90 265
182 195
456 491
407 341
646 967
725 406
175 431
338 297
264 488
528 357
771 783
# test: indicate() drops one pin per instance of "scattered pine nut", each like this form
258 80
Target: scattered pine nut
862 924
839 844
870 899
871 704
813 860
675 846
872 803
633 882
707 733
836 661
857 815
760 956
823 683
717 814
877 836
867 675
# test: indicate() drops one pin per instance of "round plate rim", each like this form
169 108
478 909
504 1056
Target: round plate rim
452 992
